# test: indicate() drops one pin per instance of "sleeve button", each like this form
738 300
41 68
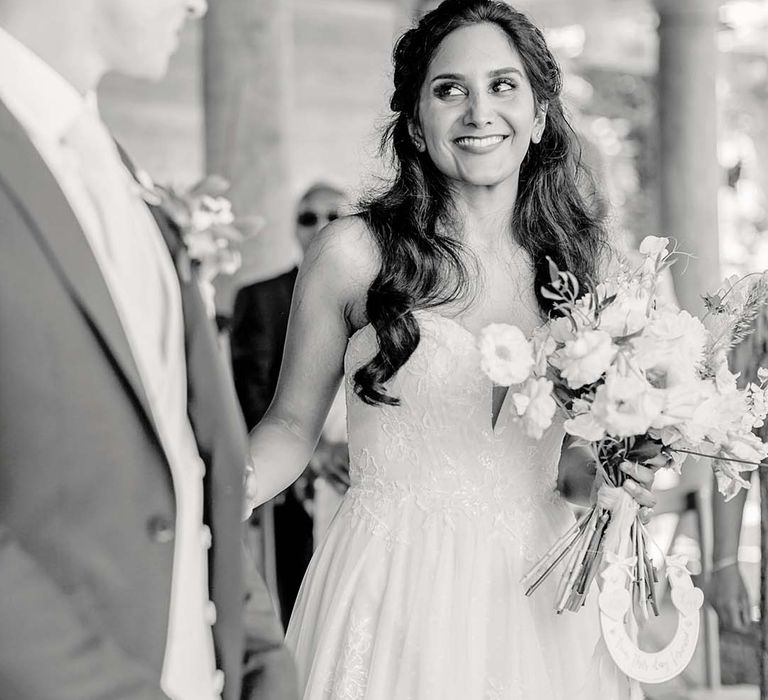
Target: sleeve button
218 682
210 612
160 529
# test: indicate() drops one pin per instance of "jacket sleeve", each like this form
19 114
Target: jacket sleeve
47 651
257 338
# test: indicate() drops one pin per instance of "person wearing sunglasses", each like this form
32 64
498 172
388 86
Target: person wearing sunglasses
258 328
318 207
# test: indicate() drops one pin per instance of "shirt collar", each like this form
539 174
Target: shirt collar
43 101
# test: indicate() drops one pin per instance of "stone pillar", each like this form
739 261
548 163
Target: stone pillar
247 78
689 172
247 64
689 180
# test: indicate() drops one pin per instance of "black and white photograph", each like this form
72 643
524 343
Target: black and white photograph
383 350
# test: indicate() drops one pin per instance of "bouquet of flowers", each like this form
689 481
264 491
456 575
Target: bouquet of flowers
633 377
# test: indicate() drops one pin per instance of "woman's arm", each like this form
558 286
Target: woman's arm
726 591
327 306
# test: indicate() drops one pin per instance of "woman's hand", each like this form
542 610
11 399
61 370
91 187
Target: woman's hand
647 457
727 594
639 487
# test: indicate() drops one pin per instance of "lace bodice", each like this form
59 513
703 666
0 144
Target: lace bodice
438 448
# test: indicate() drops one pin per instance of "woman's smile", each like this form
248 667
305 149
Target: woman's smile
477 112
480 144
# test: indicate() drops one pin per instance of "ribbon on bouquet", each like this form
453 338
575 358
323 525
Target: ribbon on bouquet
619 548
605 544
623 509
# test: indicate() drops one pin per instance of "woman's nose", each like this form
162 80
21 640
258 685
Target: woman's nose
479 111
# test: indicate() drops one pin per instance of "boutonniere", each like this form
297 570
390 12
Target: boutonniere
206 223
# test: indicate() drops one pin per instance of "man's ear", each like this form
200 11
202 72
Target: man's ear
539 122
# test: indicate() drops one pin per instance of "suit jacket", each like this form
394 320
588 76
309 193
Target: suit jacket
257 338
86 496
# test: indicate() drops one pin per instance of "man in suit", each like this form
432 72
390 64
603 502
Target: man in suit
122 449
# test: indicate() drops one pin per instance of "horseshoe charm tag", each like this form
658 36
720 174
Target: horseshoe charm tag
615 602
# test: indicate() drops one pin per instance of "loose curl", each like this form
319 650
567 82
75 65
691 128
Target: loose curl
414 222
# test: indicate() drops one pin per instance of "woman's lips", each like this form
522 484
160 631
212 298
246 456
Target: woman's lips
480 144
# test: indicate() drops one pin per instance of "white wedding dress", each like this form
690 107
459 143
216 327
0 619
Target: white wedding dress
415 592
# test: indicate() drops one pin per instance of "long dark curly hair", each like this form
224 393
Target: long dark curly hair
414 223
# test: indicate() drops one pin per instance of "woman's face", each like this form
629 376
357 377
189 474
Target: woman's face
477 113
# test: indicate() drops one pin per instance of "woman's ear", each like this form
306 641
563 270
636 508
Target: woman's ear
416 136
539 122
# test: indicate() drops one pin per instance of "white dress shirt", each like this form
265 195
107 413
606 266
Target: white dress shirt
68 133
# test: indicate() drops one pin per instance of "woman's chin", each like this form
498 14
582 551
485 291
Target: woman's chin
485 179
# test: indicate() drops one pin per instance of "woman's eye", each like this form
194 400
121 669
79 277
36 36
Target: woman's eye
449 90
503 85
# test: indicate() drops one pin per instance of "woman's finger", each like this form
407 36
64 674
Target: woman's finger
645 514
638 472
641 495
659 461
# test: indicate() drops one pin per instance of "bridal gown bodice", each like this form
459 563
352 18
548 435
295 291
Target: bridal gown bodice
439 451
415 593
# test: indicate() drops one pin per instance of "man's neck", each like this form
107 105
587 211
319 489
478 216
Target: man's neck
61 44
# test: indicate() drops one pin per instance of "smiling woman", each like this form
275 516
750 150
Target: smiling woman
415 591
478 130
483 110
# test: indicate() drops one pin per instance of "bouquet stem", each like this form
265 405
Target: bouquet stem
575 562
555 554
594 537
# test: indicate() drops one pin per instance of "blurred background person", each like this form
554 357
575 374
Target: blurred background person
257 336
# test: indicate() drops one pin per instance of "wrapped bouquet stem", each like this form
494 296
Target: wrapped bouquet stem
610 524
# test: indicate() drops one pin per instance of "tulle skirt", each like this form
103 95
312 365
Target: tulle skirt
409 603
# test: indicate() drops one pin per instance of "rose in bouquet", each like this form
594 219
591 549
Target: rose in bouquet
631 377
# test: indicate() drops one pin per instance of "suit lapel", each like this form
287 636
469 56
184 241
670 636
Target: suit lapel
217 423
204 376
61 237
212 406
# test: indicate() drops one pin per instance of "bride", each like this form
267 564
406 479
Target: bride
415 592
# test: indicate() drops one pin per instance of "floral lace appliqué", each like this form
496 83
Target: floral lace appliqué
350 674
436 453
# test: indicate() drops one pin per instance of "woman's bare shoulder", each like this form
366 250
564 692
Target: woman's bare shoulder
344 255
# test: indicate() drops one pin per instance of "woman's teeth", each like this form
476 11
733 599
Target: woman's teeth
480 142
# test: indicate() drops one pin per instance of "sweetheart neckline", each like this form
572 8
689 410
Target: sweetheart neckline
428 312
449 320
494 420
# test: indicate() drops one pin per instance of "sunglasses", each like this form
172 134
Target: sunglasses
311 218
